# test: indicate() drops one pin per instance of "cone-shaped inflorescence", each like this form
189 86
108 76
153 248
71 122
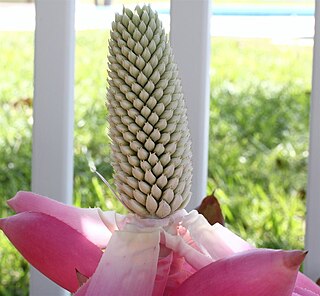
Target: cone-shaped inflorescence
147 115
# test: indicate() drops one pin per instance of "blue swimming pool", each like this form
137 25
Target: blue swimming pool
254 11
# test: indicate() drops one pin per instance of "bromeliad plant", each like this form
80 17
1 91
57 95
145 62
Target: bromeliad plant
159 248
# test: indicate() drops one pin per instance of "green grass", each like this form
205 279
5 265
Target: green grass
15 146
258 137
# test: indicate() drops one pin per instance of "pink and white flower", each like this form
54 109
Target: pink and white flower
90 252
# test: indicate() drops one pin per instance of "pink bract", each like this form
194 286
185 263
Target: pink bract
126 255
53 247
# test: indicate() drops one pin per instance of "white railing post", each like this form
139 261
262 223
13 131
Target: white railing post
52 155
190 39
312 242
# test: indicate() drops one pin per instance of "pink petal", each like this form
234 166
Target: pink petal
217 240
53 247
257 272
193 257
180 270
306 283
86 221
163 269
83 289
128 266
303 292
112 220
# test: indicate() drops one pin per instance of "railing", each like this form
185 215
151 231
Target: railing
52 143
52 166
312 241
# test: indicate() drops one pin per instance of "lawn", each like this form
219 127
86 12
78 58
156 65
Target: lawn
258 137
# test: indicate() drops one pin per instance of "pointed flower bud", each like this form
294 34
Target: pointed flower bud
147 116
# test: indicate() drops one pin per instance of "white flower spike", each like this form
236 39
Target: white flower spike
151 143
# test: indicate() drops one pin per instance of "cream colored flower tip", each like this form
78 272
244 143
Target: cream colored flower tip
151 144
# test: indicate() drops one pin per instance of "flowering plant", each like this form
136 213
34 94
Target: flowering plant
159 248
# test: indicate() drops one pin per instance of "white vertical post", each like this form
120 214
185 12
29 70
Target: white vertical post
190 39
52 155
312 242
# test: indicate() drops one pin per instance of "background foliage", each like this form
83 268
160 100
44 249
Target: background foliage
258 137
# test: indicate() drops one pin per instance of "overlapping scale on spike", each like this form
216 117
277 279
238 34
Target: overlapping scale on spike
147 115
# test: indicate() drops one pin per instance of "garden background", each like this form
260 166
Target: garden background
258 146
